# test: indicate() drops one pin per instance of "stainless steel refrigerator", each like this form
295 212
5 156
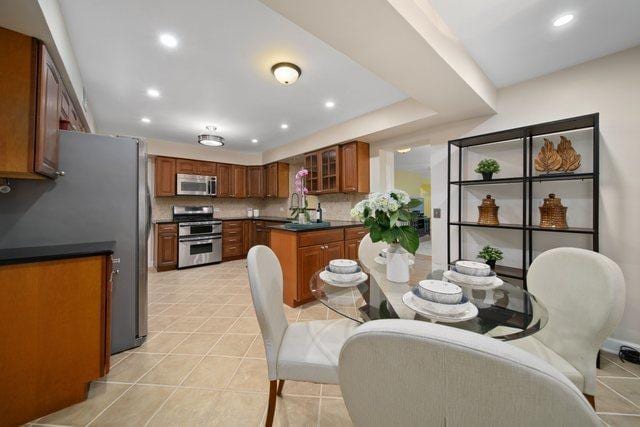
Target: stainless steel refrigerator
102 196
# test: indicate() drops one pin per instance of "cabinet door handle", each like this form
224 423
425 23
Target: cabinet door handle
60 173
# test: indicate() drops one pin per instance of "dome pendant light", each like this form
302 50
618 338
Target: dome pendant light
209 139
286 72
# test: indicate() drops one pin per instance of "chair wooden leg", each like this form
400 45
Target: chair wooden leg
272 403
592 400
280 385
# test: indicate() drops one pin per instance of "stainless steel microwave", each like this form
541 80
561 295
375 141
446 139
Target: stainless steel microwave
196 185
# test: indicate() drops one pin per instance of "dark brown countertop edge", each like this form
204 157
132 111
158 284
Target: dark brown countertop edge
332 224
233 218
52 252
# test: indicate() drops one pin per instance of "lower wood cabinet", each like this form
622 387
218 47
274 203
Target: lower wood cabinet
166 255
55 334
233 245
302 254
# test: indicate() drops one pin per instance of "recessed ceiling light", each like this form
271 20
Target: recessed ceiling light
145 120
153 93
329 104
286 72
168 40
563 20
284 126
403 150
255 141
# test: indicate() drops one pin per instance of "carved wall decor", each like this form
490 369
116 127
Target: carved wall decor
548 159
570 158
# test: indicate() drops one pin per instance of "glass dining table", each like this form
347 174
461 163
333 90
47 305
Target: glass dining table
506 313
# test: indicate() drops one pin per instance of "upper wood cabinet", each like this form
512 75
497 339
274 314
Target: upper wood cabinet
277 180
255 181
238 181
165 176
343 168
34 106
224 180
186 166
207 168
354 165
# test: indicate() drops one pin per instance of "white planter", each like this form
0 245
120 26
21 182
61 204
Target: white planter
397 264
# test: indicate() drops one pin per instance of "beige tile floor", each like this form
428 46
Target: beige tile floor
203 364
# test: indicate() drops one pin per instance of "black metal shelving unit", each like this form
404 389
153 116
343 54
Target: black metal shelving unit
525 136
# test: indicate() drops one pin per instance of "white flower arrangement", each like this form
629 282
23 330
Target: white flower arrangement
387 216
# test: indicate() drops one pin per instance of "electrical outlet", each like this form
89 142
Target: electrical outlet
436 212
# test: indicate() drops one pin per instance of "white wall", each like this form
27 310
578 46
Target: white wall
610 86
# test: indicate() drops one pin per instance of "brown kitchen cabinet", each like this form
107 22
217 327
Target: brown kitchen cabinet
166 254
35 105
55 328
207 168
238 181
302 253
165 176
352 238
224 180
232 239
195 167
324 170
354 165
277 180
255 181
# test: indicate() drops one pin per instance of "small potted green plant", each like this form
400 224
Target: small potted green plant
490 255
487 168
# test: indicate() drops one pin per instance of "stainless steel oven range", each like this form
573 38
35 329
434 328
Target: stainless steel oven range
199 236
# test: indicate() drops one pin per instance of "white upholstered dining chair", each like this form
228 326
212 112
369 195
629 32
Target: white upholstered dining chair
584 293
301 351
411 373
368 250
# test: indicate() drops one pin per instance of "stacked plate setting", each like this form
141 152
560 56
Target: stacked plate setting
476 275
441 301
343 273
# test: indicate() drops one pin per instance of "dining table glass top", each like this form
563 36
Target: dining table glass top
506 313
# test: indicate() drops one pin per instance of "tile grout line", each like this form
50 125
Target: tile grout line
620 395
622 367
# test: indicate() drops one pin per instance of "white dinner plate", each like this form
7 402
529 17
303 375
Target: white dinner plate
327 279
409 299
471 282
383 261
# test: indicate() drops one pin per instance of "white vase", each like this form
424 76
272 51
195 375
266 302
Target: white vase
397 264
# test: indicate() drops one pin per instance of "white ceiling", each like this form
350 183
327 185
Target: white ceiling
219 74
513 41
418 160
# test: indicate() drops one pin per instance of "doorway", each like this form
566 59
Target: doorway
412 173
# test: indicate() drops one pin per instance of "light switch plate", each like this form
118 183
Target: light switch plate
436 212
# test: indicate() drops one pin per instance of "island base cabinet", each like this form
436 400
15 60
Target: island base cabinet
54 330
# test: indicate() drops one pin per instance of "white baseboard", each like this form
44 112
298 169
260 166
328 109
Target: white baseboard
612 345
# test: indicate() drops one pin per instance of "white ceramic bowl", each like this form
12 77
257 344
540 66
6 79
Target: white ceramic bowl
344 278
473 268
343 266
439 291
443 309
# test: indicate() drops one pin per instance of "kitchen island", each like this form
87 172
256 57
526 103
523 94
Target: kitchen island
54 326
302 252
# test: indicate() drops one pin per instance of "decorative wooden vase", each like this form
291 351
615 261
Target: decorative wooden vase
552 213
488 211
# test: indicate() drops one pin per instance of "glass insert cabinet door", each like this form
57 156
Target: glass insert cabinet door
329 169
311 164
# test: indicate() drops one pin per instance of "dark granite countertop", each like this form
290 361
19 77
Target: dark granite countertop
233 218
332 224
51 252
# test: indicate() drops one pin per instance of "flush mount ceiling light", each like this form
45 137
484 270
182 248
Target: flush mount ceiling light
563 20
153 93
145 120
168 40
209 139
404 150
286 72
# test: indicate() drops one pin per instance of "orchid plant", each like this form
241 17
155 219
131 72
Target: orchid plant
301 191
388 217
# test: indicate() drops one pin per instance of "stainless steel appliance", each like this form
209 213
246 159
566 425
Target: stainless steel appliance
199 236
196 185
102 196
